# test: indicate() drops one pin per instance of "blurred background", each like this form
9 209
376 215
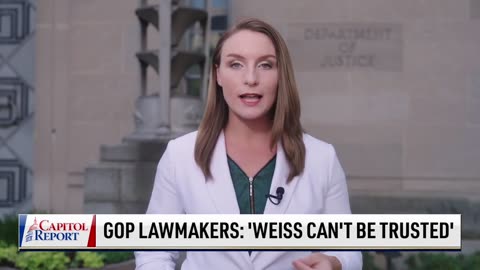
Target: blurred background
91 90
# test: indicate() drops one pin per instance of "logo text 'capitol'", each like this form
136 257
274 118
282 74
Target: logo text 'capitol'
61 231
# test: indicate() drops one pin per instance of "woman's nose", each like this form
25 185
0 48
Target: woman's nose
251 77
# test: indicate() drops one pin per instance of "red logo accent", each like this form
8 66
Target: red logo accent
92 237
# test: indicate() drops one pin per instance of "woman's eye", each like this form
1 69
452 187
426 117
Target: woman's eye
266 65
235 65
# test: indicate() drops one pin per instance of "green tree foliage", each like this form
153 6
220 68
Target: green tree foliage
9 230
42 261
91 260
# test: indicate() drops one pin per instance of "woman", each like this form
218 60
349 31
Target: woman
249 143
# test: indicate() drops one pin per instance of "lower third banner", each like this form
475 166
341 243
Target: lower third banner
240 232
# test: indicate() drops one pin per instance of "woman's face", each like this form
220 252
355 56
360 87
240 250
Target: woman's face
248 74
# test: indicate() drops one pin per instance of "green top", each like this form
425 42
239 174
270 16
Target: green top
260 186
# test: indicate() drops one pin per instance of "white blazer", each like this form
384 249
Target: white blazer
181 187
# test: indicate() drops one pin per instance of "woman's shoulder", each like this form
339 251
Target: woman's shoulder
186 138
311 141
313 145
184 142
316 148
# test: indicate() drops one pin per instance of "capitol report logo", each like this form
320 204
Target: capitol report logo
45 230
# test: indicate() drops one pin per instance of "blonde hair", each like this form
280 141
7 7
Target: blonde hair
286 110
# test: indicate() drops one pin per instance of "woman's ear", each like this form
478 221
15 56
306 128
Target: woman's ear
217 72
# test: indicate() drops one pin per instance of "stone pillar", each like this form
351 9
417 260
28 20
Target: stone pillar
85 73
51 134
165 43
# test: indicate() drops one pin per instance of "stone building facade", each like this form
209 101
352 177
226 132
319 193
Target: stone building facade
393 85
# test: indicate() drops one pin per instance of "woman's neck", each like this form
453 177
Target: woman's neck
249 143
249 131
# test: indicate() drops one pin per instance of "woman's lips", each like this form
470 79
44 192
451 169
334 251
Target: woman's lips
250 99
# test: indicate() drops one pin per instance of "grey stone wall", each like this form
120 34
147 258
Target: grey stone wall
394 86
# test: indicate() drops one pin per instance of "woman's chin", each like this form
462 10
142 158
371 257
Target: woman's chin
250 114
252 117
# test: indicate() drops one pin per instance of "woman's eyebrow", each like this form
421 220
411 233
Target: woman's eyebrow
234 55
268 56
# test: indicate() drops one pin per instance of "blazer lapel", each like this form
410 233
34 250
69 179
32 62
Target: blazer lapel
222 192
220 186
280 176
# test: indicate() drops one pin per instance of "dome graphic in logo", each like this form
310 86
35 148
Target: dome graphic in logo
32 228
